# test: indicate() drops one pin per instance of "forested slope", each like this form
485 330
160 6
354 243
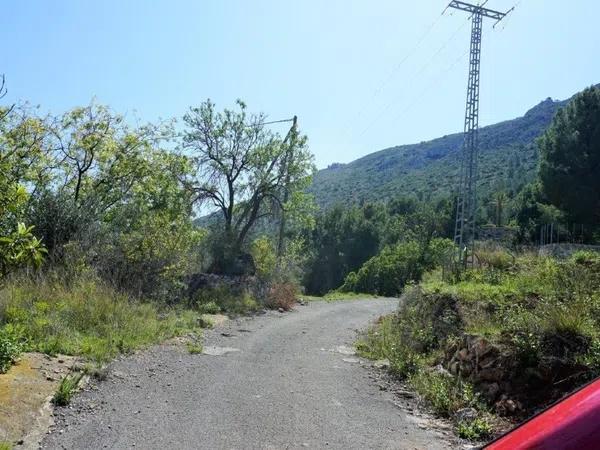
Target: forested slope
429 169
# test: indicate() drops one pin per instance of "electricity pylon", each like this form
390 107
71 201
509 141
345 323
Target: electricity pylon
466 204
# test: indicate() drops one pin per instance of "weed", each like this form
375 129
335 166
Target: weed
209 308
10 347
476 429
194 348
445 394
6 446
66 389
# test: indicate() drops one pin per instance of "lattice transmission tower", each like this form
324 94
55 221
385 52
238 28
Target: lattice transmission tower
466 205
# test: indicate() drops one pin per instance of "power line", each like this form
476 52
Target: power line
415 76
395 69
431 85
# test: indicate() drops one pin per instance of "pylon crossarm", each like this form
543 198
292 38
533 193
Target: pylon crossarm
485 12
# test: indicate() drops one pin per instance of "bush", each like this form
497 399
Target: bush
265 259
476 429
396 266
10 347
209 308
281 295
388 272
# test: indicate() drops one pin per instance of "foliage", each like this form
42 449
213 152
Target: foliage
243 170
194 348
20 249
346 238
265 258
429 170
66 389
395 267
569 157
476 429
445 394
11 346
537 310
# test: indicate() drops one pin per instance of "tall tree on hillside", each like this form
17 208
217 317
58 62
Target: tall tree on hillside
242 170
570 159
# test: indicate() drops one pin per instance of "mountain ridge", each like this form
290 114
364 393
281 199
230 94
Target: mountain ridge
429 169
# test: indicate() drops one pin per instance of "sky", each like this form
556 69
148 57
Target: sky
361 75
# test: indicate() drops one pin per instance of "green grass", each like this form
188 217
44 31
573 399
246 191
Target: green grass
6 446
86 318
66 389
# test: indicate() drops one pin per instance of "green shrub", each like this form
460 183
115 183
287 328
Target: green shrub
66 389
20 249
10 347
265 259
586 257
388 272
476 429
209 308
194 348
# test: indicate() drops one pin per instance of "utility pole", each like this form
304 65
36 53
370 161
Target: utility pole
466 204
289 155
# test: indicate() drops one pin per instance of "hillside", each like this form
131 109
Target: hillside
429 169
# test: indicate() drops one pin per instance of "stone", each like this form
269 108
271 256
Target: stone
382 364
465 415
490 391
493 375
218 351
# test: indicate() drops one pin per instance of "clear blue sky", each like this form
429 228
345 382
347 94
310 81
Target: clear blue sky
334 63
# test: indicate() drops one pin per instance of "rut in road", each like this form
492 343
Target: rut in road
272 382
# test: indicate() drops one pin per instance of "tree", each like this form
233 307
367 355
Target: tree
570 159
242 170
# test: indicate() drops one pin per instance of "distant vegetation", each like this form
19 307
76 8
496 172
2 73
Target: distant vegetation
429 170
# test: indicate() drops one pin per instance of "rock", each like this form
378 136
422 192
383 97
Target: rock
382 364
281 310
493 375
454 368
490 391
441 370
507 406
463 354
465 415
219 351
350 360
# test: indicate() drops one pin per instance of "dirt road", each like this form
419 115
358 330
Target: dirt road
277 381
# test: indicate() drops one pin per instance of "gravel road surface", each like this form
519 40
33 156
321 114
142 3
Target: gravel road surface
276 381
